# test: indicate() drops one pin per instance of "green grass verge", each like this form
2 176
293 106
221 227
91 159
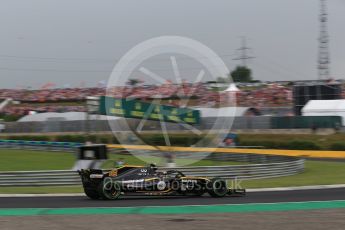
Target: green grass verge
325 142
316 173
22 160
129 159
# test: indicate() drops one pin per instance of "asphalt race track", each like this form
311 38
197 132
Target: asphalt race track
253 197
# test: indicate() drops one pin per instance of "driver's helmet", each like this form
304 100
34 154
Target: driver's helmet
153 167
178 175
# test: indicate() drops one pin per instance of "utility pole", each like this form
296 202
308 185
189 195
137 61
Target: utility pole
243 56
324 56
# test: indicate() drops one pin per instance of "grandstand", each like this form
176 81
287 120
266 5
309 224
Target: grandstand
270 98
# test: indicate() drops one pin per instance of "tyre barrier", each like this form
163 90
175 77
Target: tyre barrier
242 172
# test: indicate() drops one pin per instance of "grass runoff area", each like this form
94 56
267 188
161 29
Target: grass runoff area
316 172
294 141
26 160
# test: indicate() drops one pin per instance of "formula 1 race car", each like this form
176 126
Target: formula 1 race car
137 180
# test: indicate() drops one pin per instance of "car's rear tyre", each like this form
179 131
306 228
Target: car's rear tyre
92 193
217 187
109 190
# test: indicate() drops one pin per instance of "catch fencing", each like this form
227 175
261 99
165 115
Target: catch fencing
207 123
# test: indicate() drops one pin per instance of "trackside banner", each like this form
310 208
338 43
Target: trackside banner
131 108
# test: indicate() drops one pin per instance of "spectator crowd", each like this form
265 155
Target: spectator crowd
50 95
200 94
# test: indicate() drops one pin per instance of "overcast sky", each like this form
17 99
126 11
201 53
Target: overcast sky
77 42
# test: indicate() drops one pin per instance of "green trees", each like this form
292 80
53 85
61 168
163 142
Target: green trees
241 74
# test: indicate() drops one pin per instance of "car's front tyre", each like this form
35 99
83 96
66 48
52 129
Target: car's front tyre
217 187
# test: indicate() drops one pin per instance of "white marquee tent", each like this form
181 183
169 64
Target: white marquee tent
232 88
325 108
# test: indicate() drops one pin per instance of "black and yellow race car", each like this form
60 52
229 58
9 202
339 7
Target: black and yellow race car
138 180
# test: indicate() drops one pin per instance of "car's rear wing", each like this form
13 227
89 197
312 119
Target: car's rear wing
87 174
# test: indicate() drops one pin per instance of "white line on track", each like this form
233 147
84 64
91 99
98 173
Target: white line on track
311 187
